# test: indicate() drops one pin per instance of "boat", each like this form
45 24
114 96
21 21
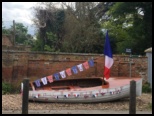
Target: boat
85 90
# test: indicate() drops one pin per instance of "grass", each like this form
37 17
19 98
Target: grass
150 106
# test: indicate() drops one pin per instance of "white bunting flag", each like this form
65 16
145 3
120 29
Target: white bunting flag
62 74
80 67
44 80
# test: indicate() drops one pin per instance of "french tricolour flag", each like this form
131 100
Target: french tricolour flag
108 57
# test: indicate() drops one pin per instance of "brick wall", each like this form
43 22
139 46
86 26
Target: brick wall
17 65
7 44
7 40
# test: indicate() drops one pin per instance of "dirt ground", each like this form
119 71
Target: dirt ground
13 103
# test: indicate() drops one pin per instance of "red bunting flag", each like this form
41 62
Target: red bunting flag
68 71
50 78
86 65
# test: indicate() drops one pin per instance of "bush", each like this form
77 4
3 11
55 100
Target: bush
146 88
6 88
10 88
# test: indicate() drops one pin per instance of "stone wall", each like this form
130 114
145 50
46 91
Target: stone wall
17 65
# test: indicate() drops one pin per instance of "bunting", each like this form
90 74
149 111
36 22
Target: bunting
56 75
62 74
74 69
80 67
91 63
50 78
68 71
85 64
37 82
44 80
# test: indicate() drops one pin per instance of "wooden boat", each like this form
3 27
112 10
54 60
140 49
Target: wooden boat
85 90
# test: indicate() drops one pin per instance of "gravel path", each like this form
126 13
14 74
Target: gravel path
14 103
75 112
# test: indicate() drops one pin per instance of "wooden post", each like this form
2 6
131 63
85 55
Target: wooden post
25 96
132 101
14 32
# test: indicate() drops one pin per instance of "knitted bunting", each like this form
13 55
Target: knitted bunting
44 80
86 65
80 67
62 74
56 75
91 63
50 78
37 82
74 69
68 71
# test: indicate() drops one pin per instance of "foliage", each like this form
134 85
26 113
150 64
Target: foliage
37 44
49 22
77 27
83 32
6 88
150 106
21 35
146 88
4 30
132 20
69 29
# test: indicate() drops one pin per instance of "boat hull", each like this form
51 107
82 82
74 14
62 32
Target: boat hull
86 95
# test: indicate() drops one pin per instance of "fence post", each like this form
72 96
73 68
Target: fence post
25 96
132 101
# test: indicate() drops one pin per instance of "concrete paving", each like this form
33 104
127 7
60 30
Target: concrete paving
74 112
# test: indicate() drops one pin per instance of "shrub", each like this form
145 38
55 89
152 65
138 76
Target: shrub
10 88
146 88
6 88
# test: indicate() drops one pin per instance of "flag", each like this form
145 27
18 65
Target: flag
37 82
108 57
74 69
80 67
86 65
68 71
50 78
44 80
62 74
56 75
91 63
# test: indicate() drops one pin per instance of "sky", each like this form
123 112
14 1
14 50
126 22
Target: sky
21 12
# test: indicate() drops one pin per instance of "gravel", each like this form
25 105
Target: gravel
14 102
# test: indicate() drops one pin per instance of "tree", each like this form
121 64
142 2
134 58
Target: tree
135 20
20 33
49 21
75 28
82 29
4 30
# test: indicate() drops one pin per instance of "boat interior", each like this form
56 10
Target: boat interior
84 83
70 84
